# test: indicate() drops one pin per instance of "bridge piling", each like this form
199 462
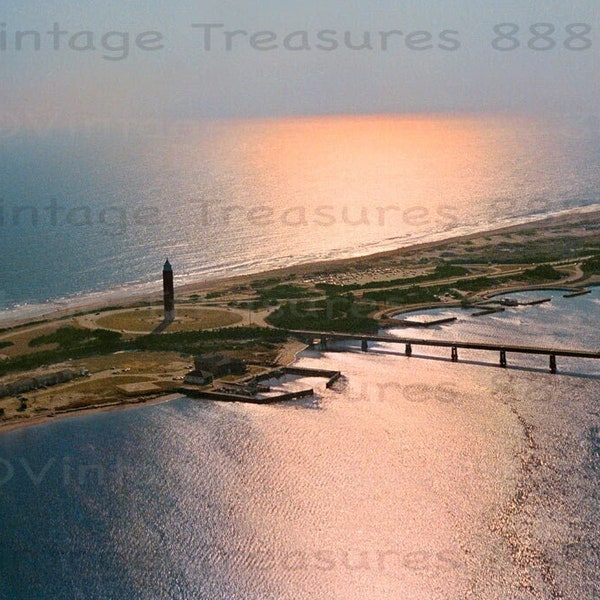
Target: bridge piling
503 358
364 345
454 354
553 363
408 349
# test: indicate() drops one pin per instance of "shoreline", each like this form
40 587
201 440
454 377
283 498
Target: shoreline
42 420
572 223
288 357
134 298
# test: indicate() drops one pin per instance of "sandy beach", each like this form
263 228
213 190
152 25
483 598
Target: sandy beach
361 269
370 266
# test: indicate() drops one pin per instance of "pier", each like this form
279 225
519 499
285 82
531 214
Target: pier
488 311
331 376
200 394
249 391
501 349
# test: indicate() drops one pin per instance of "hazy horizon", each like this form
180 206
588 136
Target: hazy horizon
237 60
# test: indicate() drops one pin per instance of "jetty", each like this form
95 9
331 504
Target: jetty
512 302
409 343
391 322
577 293
331 376
224 396
535 302
488 311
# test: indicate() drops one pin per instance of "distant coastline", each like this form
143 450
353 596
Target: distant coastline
128 296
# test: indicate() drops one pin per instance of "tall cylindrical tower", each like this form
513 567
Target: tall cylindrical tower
168 292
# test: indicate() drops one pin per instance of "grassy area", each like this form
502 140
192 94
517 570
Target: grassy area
339 313
420 294
591 266
70 338
541 274
90 393
20 340
147 319
141 363
74 343
263 283
412 295
285 291
526 251
192 342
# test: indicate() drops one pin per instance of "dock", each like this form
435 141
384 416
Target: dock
535 302
221 396
248 391
332 376
488 311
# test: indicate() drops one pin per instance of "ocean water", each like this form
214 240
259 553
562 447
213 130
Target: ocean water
412 478
85 213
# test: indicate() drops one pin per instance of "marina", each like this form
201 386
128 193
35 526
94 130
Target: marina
252 392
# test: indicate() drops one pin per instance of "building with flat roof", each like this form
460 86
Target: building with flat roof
219 365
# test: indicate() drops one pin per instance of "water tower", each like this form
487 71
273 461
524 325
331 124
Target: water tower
168 292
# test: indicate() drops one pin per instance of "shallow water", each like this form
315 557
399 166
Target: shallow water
569 323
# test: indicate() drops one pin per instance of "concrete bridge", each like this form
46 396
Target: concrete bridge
310 337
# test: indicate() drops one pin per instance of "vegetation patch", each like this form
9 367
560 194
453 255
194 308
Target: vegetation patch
337 313
263 283
541 274
73 337
412 295
286 291
591 266
148 319
79 343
